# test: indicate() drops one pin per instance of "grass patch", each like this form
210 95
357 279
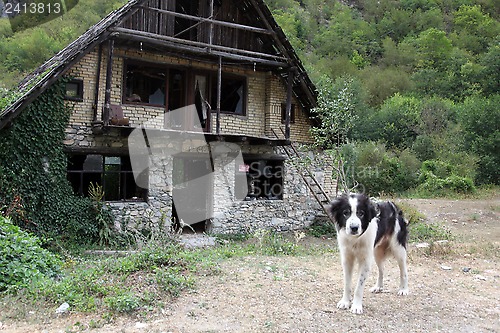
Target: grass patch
324 229
429 232
481 192
116 285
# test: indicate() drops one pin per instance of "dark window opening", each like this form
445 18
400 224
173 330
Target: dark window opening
145 84
74 90
113 173
175 88
264 179
233 92
283 113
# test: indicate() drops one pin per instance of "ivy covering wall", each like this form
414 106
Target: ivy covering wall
33 185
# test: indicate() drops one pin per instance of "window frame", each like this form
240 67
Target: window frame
244 105
79 90
132 62
277 165
123 178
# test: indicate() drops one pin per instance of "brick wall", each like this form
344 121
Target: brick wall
265 94
276 96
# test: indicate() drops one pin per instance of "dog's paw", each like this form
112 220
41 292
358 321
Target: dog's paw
343 304
377 289
357 308
403 292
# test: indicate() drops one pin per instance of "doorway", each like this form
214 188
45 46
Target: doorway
192 192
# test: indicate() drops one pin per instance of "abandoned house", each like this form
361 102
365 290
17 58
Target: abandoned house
209 89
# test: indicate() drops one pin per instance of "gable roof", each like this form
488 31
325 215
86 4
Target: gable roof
115 24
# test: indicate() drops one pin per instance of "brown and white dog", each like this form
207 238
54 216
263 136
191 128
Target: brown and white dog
367 231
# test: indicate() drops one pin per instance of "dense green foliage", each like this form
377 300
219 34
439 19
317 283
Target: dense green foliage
33 165
422 80
23 261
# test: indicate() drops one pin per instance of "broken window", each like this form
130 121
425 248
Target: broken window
177 87
264 179
113 173
233 93
145 84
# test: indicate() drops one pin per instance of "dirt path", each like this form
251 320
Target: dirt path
455 289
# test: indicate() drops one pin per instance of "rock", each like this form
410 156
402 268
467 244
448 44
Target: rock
63 308
446 268
480 277
141 325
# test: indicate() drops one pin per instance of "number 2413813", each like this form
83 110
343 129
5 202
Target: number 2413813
32 8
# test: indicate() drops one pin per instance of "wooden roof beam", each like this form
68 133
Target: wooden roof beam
211 20
202 48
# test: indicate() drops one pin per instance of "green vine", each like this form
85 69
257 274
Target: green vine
33 172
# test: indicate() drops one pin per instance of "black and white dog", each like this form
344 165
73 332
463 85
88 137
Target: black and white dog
367 231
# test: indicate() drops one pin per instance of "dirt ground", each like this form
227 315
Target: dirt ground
453 289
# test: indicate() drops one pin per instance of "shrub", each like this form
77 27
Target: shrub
423 148
438 168
22 259
434 185
439 178
380 171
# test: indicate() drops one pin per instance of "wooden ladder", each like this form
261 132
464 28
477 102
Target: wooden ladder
308 177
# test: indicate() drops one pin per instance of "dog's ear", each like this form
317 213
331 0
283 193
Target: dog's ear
336 205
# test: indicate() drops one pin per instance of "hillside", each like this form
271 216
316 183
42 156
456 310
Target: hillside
422 77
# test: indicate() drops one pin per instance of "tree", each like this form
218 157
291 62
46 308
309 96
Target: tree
433 49
335 115
474 30
480 120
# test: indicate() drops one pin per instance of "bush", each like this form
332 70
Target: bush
22 259
438 168
434 185
423 147
380 171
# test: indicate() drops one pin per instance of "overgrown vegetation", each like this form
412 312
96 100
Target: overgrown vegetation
33 184
23 262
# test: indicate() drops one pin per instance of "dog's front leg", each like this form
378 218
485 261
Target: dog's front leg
357 303
347 265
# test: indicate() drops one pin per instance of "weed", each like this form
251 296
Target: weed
411 214
173 281
322 230
126 302
273 243
428 232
